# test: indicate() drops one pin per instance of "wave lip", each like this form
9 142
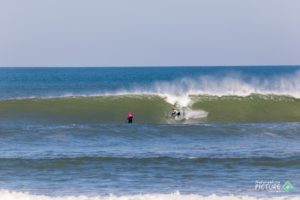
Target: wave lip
234 84
228 83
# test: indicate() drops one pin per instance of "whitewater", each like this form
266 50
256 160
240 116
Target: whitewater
7 195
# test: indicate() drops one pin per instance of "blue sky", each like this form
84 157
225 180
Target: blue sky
149 33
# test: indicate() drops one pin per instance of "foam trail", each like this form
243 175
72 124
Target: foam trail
195 114
11 195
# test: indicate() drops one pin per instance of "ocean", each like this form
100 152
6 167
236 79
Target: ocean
64 134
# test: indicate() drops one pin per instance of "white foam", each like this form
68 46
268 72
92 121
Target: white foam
12 195
270 134
194 114
179 91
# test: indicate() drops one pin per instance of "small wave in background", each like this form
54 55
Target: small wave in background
8 195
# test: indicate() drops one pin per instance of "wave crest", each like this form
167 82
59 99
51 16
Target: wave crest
180 90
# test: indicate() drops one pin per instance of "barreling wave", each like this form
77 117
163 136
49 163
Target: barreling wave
13 195
154 108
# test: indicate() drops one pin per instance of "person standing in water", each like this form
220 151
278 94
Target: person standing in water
130 117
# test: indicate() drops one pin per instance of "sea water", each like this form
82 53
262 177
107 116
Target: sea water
63 133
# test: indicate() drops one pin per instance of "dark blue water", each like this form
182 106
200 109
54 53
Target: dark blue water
57 158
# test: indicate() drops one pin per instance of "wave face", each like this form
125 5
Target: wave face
87 109
253 108
154 109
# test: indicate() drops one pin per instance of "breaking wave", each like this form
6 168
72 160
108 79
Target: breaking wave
233 97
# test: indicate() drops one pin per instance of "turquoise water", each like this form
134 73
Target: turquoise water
63 132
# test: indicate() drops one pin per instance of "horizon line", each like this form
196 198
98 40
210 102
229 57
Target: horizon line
150 66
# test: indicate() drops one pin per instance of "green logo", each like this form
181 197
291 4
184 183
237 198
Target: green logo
287 186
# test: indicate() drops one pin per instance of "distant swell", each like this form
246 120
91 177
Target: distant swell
70 162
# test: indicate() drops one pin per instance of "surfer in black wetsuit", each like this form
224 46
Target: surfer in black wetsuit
130 117
175 113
